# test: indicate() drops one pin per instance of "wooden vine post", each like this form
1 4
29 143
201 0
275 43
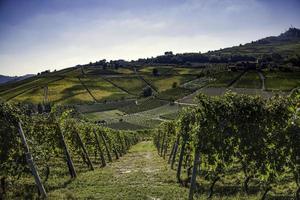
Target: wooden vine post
31 164
194 173
106 147
175 152
115 151
122 145
158 143
103 163
84 151
162 144
70 164
182 150
171 154
165 148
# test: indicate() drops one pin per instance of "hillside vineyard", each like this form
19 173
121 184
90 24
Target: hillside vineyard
232 134
223 124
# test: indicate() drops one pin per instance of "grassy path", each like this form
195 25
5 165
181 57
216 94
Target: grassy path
140 174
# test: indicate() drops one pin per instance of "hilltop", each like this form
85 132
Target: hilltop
286 44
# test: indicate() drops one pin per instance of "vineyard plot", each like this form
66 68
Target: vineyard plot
252 140
61 146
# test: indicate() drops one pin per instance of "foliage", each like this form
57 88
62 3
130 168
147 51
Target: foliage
147 91
44 137
260 135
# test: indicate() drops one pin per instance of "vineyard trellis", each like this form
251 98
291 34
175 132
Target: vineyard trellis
259 136
52 137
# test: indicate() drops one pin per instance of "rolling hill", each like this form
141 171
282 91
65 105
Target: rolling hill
286 44
177 76
5 79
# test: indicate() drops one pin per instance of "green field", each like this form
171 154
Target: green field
143 105
92 84
174 93
104 90
14 91
98 107
135 176
284 81
114 96
133 85
282 47
249 80
144 119
162 83
110 114
224 79
162 70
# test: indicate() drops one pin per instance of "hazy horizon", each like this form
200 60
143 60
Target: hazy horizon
39 35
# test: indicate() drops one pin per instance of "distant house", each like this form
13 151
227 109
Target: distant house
168 53
45 72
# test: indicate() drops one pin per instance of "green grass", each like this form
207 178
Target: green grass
283 47
132 84
120 84
142 120
171 70
98 70
161 69
59 177
249 80
174 93
224 79
162 83
95 116
60 89
68 91
146 119
12 90
123 70
197 83
140 174
104 90
162 110
11 85
98 107
284 81
125 126
187 71
75 72
170 116
143 105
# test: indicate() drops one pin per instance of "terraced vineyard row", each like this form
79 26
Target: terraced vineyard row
232 136
57 148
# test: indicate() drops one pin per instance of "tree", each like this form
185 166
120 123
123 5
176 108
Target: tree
174 85
40 108
155 72
147 91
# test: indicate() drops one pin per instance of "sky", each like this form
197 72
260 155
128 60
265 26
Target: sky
37 35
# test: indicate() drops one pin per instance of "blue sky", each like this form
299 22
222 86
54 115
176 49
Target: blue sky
36 35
